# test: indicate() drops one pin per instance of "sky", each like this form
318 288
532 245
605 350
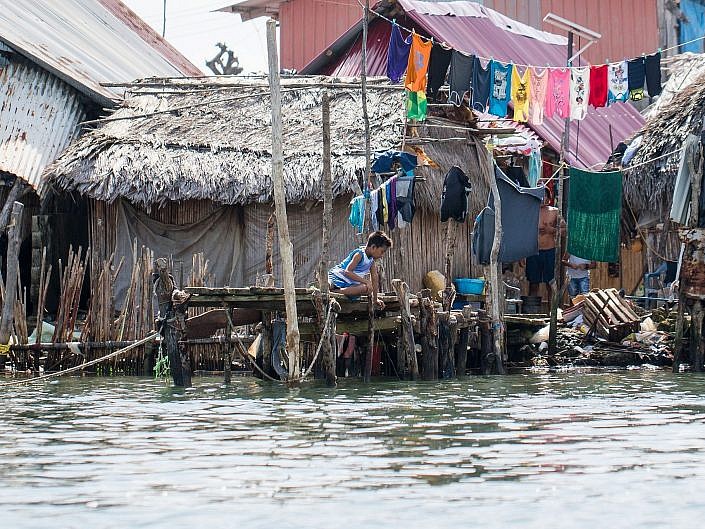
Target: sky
193 29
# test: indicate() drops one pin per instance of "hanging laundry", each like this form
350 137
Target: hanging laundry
501 88
416 105
558 93
535 166
636 74
521 92
520 232
392 202
617 82
653 74
417 66
385 205
357 213
461 76
598 86
437 70
405 200
480 85
380 206
579 92
374 205
384 161
537 95
397 54
595 210
454 200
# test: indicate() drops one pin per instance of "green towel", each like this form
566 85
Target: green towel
594 212
416 105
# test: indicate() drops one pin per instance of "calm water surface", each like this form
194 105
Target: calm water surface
564 450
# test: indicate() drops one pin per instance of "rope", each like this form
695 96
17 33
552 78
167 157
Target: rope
143 341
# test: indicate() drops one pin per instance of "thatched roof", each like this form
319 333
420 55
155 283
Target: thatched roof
649 176
211 139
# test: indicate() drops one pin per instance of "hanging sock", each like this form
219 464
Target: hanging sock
397 54
653 74
636 74
617 82
521 92
357 213
461 76
501 88
537 95
480 85
558 94
416 105
437 70
417 66
579 92
598 86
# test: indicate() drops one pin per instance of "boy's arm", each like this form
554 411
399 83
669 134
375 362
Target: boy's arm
375 283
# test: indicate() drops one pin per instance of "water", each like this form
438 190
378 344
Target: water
541 450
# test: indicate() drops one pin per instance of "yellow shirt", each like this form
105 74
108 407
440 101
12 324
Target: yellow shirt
521 92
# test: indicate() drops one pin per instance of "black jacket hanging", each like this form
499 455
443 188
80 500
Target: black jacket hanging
454 200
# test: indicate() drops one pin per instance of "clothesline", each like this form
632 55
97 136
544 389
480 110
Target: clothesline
562 67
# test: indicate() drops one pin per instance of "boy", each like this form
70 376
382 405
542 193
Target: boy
357 273
578 271
539 267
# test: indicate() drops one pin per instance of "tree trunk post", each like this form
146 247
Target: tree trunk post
12 196
407 366
461 352
13 248
429 336
286 249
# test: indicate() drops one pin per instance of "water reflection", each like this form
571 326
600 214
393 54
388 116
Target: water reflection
133 452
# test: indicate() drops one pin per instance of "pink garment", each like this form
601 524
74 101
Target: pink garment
537 103
558 93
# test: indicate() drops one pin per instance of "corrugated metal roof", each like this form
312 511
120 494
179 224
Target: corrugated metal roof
591 140
39 116
86 42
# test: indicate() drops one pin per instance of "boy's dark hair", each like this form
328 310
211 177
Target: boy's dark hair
379 239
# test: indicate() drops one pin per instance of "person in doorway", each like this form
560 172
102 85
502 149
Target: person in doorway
357 273
578 272
540 267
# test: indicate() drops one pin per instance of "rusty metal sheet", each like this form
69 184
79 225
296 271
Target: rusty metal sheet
692 278
39 116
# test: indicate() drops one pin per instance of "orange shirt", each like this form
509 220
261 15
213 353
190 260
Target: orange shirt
419 57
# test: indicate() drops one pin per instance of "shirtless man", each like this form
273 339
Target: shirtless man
540 267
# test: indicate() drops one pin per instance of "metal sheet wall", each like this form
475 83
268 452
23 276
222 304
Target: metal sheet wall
39 116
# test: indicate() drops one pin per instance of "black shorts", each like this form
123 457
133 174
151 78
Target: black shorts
540 267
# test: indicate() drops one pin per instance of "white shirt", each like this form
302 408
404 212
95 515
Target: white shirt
579 273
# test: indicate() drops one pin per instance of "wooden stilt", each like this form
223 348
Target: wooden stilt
407 365
697 346
12 273
461 352
429 337
678 356
286 249
227 358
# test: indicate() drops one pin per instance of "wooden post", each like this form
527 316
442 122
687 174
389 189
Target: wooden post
327 349
495 300
429 336
697 314
286 249
12 196
461 352
697 345
407 366
557 267
227 358
13 248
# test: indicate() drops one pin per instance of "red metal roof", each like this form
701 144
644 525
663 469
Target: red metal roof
591 140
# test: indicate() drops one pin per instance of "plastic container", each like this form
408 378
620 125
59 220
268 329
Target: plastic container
466 285
436 282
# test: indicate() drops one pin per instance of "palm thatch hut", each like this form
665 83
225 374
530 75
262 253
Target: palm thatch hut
183 167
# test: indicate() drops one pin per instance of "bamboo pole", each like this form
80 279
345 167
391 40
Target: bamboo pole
327 351
13 247
286 249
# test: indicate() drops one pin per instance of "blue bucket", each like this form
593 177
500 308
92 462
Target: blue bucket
466 285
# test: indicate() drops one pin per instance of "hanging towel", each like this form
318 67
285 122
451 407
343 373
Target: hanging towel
437 69
537 95
594 213
480 85
557 97
636 75
357 213
392 201
535 166
405 199
454 200
617 82
397 54
461 76
416 69
653 74
598 86
501 88
579 92
374 205
521 92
